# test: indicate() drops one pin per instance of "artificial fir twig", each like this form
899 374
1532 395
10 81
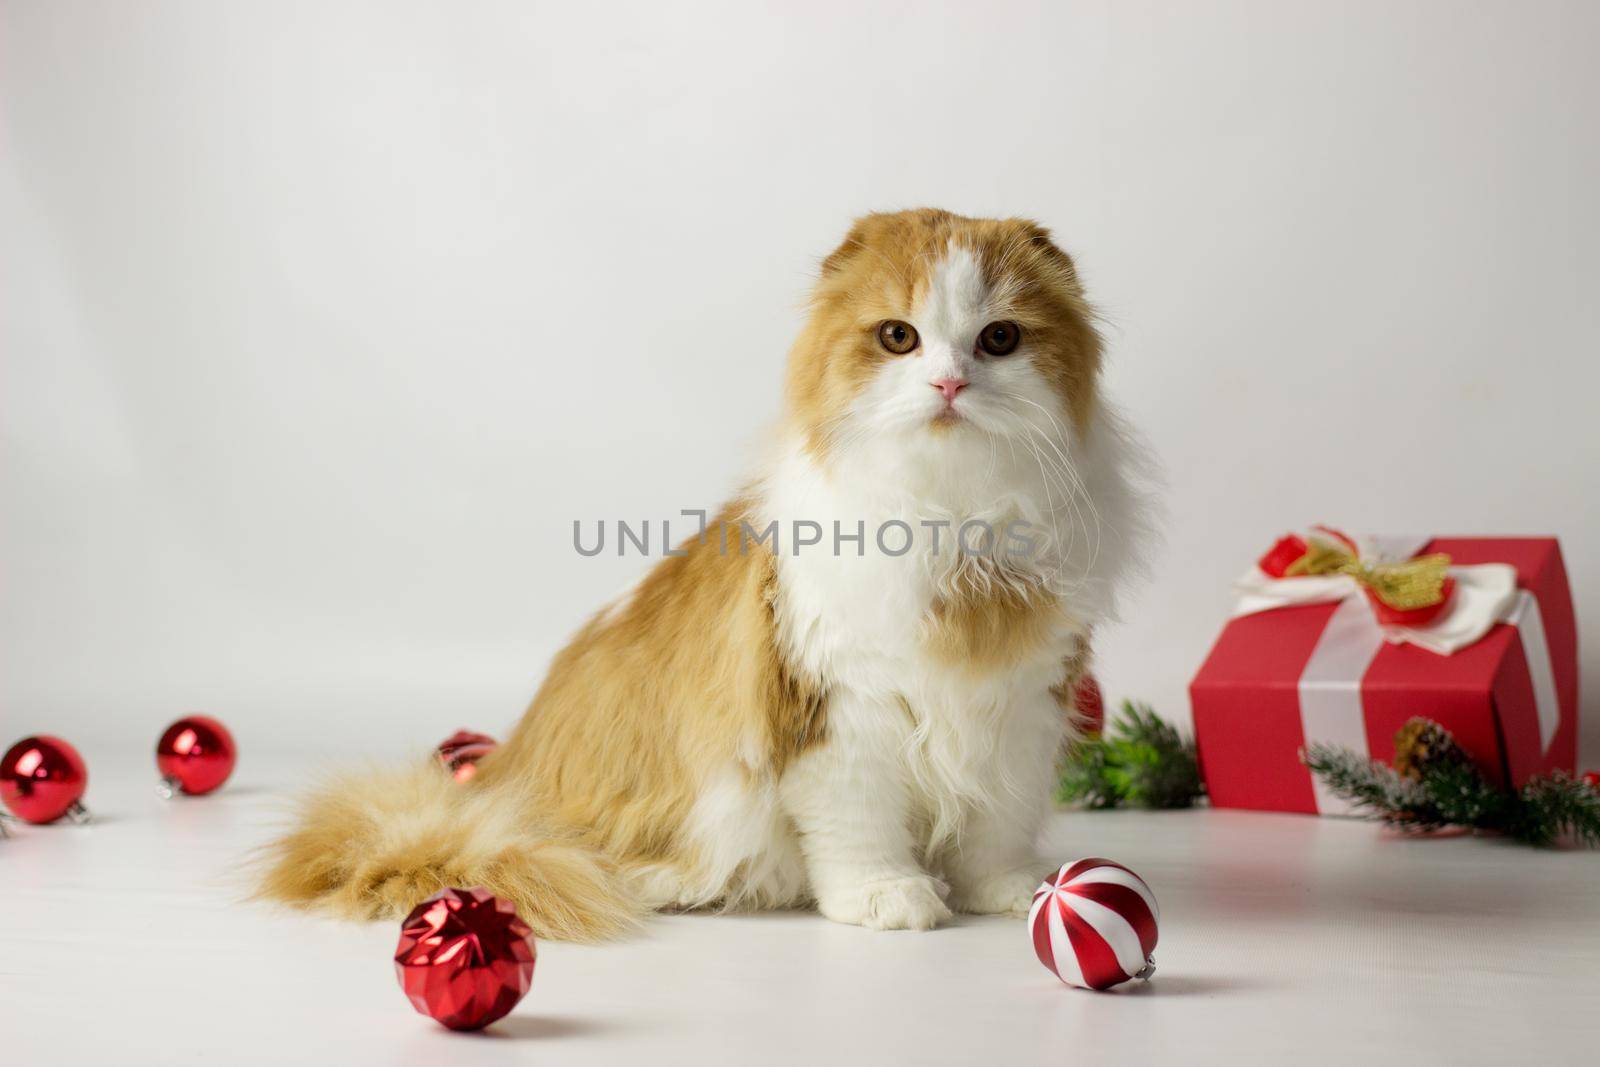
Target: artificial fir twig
1364 782
1443 788
1555 806
1141 760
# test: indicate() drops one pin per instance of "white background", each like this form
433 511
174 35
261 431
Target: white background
322 322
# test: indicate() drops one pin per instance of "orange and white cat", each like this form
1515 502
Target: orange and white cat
869 723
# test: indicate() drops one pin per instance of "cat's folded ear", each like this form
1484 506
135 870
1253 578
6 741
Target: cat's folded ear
1039 237
852 244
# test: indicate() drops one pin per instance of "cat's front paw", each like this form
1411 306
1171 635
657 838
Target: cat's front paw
912 902
1002 893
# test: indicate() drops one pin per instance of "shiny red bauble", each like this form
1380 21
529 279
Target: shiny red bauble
464 958
195 755
42 779
461 751
1591 779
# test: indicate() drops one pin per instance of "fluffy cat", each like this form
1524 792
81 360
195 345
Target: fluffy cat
763 723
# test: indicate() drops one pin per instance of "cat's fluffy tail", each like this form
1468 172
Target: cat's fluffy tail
373 845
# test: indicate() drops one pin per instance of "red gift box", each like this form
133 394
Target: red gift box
1511 698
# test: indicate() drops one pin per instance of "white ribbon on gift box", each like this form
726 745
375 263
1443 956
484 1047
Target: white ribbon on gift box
1330 684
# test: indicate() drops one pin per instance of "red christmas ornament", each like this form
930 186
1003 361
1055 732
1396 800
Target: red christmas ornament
1090 704
464 958
1094 924
1591 779
42 779
461 751
195 755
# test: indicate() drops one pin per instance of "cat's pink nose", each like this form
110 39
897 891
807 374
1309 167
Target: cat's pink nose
950 387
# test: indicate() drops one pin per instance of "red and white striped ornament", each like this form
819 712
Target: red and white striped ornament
1094 924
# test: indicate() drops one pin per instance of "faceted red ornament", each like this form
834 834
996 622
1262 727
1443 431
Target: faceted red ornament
464 958
42 778
195 756
461 751
1090 704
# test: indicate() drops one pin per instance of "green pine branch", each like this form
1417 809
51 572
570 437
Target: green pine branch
1367 784
1553 807
1142 760
1549 809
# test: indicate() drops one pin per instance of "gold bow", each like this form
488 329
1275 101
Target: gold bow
1405 586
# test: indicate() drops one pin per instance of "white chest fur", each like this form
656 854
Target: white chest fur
856 616
853 608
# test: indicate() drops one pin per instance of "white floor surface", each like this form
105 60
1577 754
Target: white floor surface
1283 938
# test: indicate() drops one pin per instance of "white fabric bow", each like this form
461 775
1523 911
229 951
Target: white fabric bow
1485 594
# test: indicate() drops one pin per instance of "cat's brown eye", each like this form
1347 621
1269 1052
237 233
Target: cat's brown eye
1000 338
898 337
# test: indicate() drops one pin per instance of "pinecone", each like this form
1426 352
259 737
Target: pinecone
1422 744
